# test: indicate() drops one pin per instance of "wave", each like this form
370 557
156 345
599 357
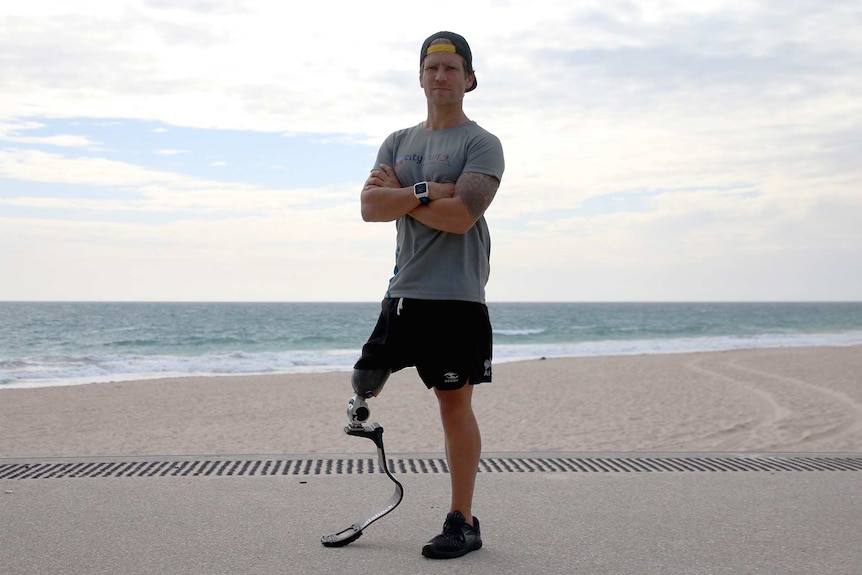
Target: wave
519 331
503 353
90 368
54 371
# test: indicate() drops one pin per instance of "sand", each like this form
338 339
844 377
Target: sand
767 400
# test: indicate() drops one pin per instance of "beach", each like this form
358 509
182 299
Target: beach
806 399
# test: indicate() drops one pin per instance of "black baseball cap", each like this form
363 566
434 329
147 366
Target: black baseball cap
460 47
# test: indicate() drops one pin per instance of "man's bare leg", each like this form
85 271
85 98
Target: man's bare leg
463 446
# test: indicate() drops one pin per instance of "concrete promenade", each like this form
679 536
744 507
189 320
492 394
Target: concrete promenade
696 522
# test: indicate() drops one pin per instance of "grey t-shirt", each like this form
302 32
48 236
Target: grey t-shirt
430 264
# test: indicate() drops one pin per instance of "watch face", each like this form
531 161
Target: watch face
420 188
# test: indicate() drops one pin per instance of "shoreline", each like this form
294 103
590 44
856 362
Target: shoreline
595 350
797 399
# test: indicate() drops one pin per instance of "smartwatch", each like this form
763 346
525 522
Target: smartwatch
420 190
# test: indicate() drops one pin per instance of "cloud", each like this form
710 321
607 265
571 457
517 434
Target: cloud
141 189
645 141
12 131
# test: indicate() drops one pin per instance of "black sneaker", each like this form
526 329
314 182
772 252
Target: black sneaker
457 538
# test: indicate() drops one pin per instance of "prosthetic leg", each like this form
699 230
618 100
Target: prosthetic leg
366 384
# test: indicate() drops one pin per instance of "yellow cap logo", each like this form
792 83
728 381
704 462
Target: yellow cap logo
440 48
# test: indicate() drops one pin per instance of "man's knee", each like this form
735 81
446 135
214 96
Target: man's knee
369 382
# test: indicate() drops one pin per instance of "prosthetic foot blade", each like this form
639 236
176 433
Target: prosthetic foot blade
374 432
342 538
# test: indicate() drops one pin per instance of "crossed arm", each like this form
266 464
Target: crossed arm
453 208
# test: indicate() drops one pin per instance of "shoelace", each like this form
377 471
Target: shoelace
451 530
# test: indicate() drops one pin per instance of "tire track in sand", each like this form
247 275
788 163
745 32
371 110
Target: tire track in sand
795 414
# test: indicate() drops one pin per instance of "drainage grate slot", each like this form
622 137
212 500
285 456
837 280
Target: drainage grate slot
217 467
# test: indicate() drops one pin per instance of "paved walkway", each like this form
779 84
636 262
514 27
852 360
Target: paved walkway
697 522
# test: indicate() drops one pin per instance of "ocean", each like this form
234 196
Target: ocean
46 344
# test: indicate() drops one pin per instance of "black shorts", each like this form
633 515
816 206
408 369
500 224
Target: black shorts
449 342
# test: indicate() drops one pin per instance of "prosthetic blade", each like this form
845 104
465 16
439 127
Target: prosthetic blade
374 432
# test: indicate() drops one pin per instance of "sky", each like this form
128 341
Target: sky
214 150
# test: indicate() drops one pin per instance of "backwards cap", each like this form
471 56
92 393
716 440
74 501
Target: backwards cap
459 46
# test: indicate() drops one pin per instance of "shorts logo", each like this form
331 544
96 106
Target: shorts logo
487 368
451 377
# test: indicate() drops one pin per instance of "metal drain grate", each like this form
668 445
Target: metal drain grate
219 467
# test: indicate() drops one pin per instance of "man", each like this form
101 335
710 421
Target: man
435 180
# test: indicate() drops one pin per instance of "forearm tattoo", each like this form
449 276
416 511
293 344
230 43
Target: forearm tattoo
476 191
